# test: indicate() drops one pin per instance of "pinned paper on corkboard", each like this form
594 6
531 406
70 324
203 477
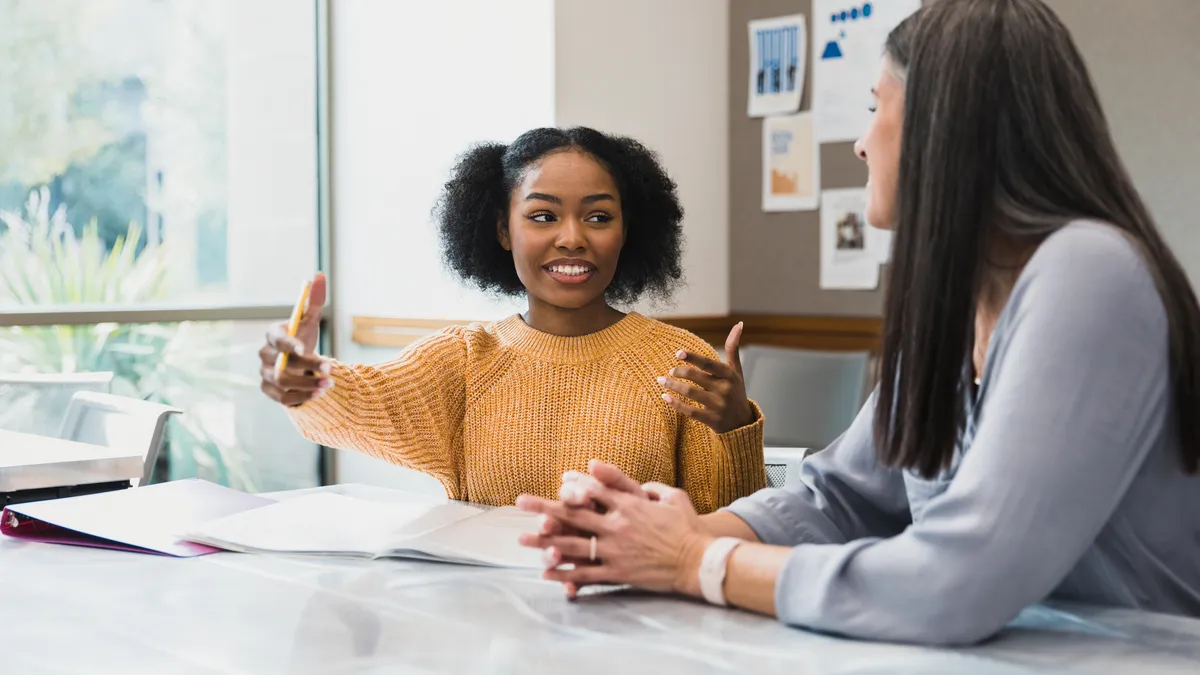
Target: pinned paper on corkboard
791 163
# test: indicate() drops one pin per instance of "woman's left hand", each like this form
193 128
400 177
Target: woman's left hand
719 387
655 543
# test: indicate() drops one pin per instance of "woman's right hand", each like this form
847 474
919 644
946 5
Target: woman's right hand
577 488
307 374
577 492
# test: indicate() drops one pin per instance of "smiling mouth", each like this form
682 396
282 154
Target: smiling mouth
570 273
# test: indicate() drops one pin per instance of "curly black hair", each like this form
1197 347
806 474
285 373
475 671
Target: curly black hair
477 197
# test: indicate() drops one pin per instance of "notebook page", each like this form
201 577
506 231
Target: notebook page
488 538
325 523
435 517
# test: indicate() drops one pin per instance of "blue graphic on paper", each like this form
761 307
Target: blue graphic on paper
778 59
833 50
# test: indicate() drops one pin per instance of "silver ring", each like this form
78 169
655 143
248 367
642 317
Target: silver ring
592 554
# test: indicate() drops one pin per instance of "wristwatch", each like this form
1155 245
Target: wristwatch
712 569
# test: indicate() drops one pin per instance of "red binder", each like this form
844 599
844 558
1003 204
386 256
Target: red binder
144 519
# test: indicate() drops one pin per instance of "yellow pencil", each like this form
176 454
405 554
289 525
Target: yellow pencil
294 325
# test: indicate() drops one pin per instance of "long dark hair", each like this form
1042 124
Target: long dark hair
1003 140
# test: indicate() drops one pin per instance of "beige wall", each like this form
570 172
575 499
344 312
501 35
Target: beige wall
1144 56
665 85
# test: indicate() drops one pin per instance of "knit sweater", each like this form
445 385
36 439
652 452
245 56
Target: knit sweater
500 409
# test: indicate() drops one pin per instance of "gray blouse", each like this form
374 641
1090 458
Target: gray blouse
1067 481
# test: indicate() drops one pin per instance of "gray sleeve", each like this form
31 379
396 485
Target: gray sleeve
843 494
1077 393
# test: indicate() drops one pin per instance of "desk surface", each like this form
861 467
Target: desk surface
20 449
76 610
28 461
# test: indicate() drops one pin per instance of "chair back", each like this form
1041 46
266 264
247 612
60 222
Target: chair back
104 419
808 398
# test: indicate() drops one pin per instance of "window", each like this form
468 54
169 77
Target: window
230 433
159 206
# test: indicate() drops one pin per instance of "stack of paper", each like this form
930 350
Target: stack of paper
336 525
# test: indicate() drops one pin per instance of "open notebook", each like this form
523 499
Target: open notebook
336 525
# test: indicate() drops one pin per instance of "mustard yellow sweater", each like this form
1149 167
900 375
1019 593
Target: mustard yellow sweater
496 410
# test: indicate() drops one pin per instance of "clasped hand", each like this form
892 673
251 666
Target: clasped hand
648 536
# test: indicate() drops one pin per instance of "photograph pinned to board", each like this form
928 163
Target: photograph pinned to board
847 263
847 44
791 173
778 48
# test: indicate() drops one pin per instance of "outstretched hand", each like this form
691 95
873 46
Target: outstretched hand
719 388
307 374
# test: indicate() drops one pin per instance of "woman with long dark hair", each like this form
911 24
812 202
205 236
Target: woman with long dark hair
1036 430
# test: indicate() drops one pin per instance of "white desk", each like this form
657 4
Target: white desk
28 462
75 610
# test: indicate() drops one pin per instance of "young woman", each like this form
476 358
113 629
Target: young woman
1036 429
577 221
